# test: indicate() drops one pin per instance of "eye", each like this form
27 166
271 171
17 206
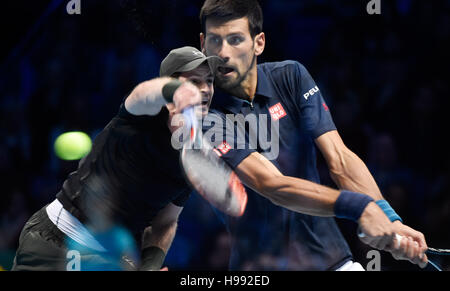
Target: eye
235 40
196 81
214 40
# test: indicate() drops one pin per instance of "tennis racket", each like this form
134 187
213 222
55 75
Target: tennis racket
209 175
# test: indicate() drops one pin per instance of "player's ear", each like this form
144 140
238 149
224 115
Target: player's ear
260 43
202 42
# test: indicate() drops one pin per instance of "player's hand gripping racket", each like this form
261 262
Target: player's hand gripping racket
208 174
430 251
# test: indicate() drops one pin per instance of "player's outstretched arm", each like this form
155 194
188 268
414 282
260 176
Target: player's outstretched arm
296 194
349 172
149 97
158 238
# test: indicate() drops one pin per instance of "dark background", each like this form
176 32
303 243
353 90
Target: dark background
385 79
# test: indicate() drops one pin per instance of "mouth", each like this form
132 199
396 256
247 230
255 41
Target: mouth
205 101
205 104
225 71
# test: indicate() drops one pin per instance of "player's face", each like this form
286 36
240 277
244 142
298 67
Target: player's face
203 78
232 42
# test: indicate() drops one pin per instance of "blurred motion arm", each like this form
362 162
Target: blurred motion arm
158 237
147 97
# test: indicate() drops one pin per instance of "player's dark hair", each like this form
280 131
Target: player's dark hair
226 10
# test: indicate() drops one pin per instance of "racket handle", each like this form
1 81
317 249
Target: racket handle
398 237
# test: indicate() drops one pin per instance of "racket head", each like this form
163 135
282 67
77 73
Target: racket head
213 179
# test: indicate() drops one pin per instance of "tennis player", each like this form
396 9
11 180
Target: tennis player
131 178
306 237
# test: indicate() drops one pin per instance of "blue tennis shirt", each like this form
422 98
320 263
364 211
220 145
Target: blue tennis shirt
286 115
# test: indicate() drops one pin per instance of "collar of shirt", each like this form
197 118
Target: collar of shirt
234 104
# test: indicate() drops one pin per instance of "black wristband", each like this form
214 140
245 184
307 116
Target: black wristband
169 89
351 205
152 259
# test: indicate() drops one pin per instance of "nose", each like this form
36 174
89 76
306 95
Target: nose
205 89
202 87
224 52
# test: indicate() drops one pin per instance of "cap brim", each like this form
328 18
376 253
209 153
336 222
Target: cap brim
213 62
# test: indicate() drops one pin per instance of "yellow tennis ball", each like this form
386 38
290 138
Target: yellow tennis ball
72 146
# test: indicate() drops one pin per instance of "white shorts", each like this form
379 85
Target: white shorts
71 226
351 266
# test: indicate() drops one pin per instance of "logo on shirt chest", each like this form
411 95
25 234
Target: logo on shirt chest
222 149
277 112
